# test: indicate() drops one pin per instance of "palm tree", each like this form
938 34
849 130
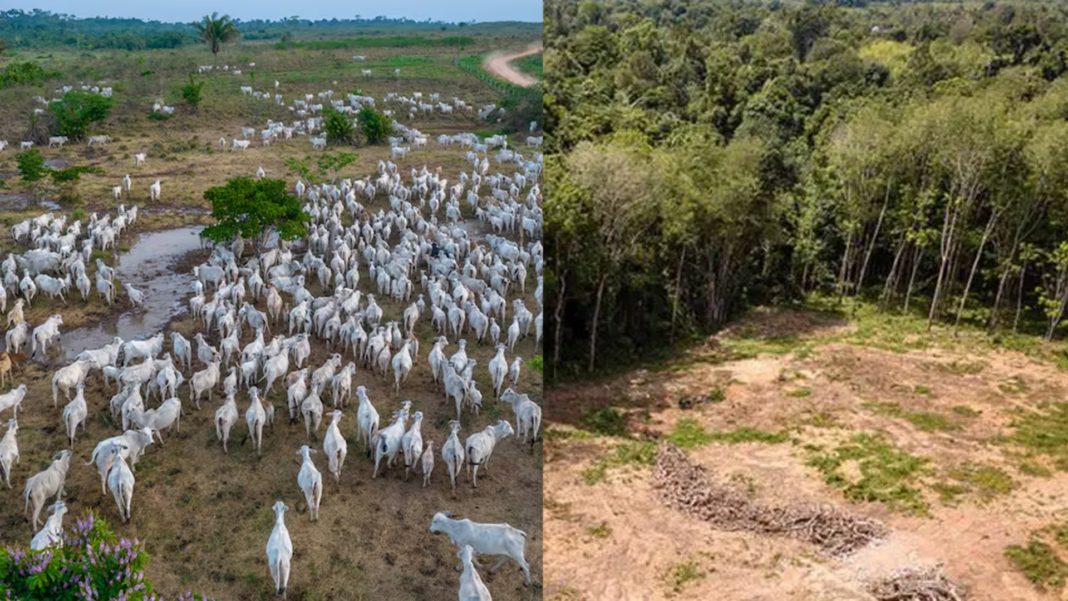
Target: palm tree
216 31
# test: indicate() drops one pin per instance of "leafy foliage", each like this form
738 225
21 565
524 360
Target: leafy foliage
90 564
914 157
254 209
77 110
23 73
191 93
338 127
375 126
216 31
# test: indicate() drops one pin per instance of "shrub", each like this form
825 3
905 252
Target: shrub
90 564
376 126
191 93
338 127
159 116
77 110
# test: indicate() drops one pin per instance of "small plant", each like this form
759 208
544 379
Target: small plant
607 421
689 434
683 574
191 93
338 127
599 531
159 116
536 363
147 73
965 411
799 393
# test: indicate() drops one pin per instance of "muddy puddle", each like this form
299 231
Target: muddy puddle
149 266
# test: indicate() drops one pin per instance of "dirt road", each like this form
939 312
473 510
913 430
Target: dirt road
496 64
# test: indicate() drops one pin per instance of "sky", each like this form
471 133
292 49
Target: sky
193 10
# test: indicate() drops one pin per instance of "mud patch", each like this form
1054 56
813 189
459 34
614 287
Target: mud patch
151 267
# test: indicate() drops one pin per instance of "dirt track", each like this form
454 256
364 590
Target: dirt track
497 64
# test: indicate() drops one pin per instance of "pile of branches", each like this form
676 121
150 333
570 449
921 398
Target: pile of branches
689 488
923 584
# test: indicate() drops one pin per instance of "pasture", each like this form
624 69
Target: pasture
205 515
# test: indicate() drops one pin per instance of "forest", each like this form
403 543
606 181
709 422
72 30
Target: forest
705 157
41 29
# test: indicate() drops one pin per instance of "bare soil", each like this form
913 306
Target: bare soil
616 539
499 65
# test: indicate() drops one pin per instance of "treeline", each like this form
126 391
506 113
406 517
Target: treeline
707 156
43 29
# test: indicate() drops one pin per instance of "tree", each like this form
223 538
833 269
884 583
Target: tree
376 127
77 110
216 31
254 209
191 93
338 127
33 169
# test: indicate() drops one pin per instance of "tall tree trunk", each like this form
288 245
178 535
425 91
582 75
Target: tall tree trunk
945 250
912 278
1019 297
975 266
844 268
678 288
874 239
596 319
558 317
891 278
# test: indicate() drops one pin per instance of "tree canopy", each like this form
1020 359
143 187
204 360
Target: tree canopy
707 159
253 209
216 31
77 110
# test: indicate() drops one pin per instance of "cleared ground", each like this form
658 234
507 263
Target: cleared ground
954 444
205 516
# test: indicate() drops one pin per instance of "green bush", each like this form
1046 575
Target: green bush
338 127
159 116
376 127
77 110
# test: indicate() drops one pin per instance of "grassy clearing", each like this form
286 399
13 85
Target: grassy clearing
927 422
396 41
531 64
1039 563
628 454
1044 432
887 474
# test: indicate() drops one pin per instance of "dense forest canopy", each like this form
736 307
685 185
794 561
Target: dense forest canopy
707 156
42 29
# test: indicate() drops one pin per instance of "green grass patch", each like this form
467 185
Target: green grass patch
159 116
799 393
747 434
964 411
1034 469
821 420
949 493
888 475
537 364
1039 563
634 453
601 531
530 64
1044 432
922 390
986 481
606 421
688 434
684 574
927 422
558 434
